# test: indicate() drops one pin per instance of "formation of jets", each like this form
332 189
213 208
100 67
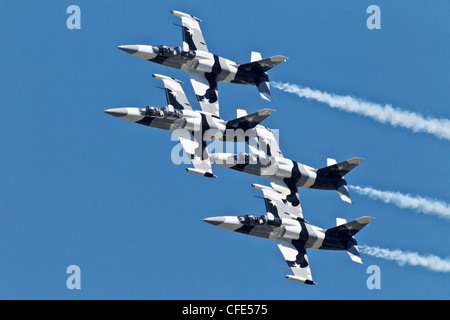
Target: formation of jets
283 223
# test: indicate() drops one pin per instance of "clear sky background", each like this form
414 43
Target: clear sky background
81 187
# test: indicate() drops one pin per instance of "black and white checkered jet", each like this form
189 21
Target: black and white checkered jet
285 175
192 127
284 224
204 68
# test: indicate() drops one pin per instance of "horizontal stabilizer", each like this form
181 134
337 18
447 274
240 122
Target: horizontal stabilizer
249 121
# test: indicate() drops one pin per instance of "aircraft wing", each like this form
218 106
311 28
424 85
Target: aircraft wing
176 98
294 251
197 152
206 91
278 205
192 34
289 193
268 141
297 260
265 141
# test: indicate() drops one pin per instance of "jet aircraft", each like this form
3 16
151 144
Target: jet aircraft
204 68
192 127
284 224
286 175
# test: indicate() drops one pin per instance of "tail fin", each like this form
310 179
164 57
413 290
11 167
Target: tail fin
249 121
259 67
336 171
345 230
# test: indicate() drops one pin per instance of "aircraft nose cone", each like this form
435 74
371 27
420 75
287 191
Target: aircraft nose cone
129 49
215 221
117 112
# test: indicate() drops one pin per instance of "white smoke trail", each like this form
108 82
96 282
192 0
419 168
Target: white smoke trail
406 201
381 113
430 262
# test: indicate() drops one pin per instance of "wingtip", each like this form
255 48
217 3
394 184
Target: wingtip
163 77
186 15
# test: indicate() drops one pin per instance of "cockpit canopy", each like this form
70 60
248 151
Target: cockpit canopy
252 220
166 51
163 112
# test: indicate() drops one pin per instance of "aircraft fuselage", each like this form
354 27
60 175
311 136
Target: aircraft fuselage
301 234
294 174
211 65
207 126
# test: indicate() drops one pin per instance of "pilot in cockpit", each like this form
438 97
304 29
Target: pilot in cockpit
166 51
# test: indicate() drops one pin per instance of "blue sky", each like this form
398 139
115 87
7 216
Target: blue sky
81 187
